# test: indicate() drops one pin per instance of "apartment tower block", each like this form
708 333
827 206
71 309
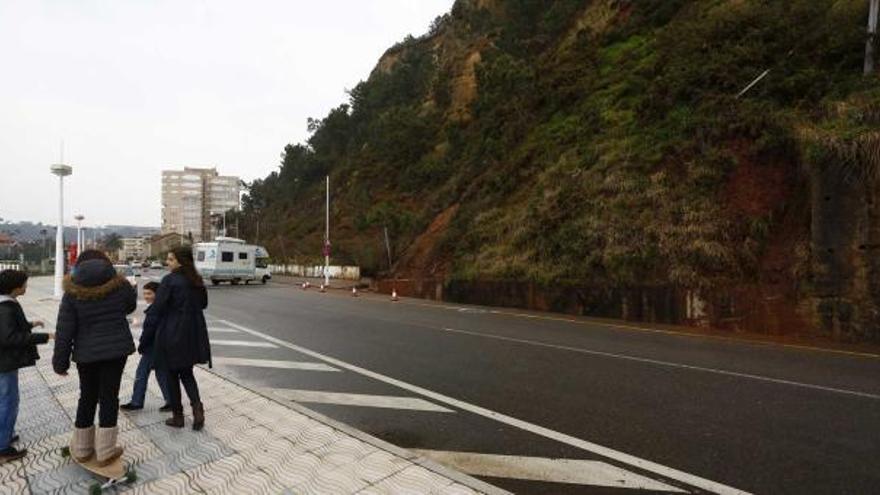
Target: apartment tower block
192 197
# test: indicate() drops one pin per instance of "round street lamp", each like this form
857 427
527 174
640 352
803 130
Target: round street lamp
61 171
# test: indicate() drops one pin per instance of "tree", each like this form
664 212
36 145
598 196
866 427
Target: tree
111 242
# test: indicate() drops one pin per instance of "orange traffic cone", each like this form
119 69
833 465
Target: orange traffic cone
354 291
394 295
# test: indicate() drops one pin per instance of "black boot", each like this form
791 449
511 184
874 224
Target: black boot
198 416
176 420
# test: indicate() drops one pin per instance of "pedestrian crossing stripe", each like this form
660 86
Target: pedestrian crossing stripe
244 343
269 363
360 400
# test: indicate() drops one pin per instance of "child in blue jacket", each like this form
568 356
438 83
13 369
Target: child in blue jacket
145 348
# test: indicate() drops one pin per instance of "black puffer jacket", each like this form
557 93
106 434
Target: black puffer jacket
92 322
18 345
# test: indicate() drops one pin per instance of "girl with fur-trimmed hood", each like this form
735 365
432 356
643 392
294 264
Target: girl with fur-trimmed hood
93 329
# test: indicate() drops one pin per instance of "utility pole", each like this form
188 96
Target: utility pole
388 248
327 237
870 44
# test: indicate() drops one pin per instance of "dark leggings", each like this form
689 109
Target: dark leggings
99 383
185 376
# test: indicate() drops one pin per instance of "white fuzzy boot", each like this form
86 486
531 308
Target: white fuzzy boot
105 446
82 443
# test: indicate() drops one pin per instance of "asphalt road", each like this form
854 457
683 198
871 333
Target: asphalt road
695 414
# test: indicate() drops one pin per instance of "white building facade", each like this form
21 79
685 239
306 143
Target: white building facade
133 249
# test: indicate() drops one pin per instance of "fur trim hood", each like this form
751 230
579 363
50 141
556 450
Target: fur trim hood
93 293
92 280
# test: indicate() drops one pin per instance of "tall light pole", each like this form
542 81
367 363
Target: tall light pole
327 238
61 171
873 11
80 239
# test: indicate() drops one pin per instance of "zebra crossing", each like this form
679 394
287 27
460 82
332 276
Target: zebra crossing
240 351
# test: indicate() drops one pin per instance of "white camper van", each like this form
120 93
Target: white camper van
227 259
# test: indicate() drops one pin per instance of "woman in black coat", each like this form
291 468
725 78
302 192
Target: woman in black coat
93 328
182 334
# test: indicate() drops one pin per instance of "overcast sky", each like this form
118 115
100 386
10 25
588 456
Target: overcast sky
134 87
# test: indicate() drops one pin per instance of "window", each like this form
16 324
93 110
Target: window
201 256
226 256
242 256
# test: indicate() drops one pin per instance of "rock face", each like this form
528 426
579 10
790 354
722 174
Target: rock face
593 156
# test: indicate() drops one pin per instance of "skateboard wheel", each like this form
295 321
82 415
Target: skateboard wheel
95 489
131 476
65 451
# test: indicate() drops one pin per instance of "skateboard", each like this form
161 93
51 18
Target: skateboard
116 473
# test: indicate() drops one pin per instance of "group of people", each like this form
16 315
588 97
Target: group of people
93 331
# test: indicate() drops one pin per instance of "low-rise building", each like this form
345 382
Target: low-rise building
159 245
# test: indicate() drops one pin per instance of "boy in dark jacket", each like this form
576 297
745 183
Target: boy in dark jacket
18 349
145 348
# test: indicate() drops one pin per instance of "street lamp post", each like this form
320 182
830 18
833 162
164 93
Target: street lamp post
61 171
80 239
327 237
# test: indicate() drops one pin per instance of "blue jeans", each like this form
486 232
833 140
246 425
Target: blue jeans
142 375
8 406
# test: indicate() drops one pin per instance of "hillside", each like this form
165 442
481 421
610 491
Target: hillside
592 156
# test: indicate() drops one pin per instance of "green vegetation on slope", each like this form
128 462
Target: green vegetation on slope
602 143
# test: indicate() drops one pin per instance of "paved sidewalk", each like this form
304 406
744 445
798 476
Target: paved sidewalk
251 443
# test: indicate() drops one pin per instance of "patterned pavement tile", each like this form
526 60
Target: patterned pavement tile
329 481
249 438
346 451
138 447
14 487
198 454
251 482
11 472
217 474
412 480
269 453
178 484
57 479
296 470
316 437
378 466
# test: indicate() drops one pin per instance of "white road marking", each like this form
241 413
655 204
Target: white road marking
222 330
269 363
571 471
646 465
362 400
243 343
670 364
